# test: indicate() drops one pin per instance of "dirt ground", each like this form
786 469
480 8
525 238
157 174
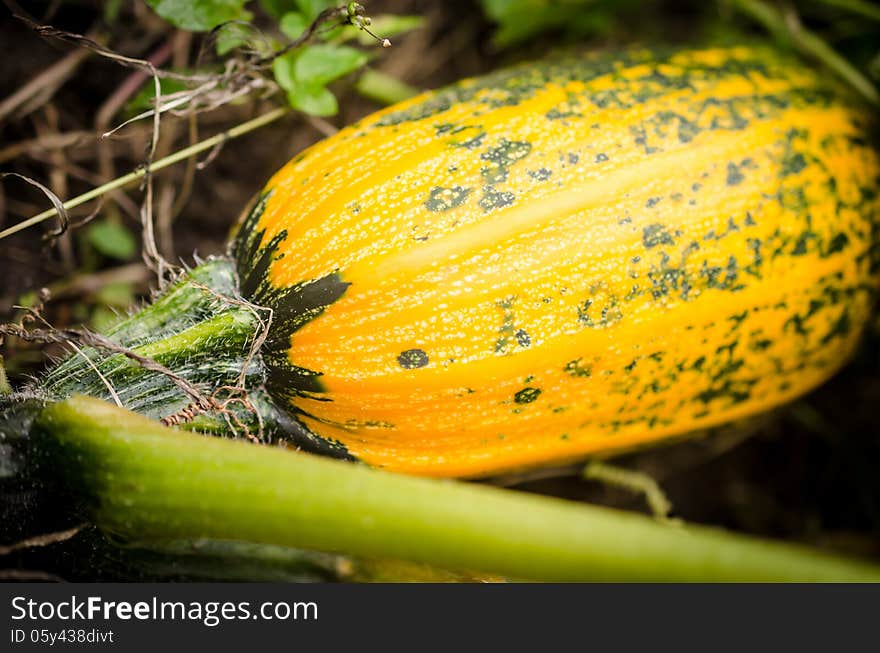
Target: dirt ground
807 473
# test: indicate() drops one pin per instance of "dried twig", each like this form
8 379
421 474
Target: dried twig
167 186
85 284
42 540
41 88
60 210
180 155
112 105
189 173
239 78
28 575
71 169
44 142
92 45
150 253
58 183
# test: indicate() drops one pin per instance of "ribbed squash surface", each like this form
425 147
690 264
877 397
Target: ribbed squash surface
566 258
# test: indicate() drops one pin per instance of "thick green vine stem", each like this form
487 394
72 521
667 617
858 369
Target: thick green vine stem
146 482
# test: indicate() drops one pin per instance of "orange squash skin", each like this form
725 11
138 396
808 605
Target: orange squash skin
567 258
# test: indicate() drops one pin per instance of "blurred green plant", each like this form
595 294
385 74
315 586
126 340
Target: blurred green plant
789 31
315 54
199 15
842 35
304 75
521 20
112 239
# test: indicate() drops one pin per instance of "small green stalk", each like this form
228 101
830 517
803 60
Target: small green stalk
383 88
146 482
809 43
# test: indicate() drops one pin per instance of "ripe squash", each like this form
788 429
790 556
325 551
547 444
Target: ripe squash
564 258
567 257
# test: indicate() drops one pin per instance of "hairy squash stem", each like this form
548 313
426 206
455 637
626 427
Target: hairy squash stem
147 482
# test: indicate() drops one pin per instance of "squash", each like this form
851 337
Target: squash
560 259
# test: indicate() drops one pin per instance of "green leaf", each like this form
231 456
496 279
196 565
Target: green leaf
277 8
519 20
314 100
305 73
111 239
321 64
234 35
311 8
293 24
198 15
228 40
282 67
